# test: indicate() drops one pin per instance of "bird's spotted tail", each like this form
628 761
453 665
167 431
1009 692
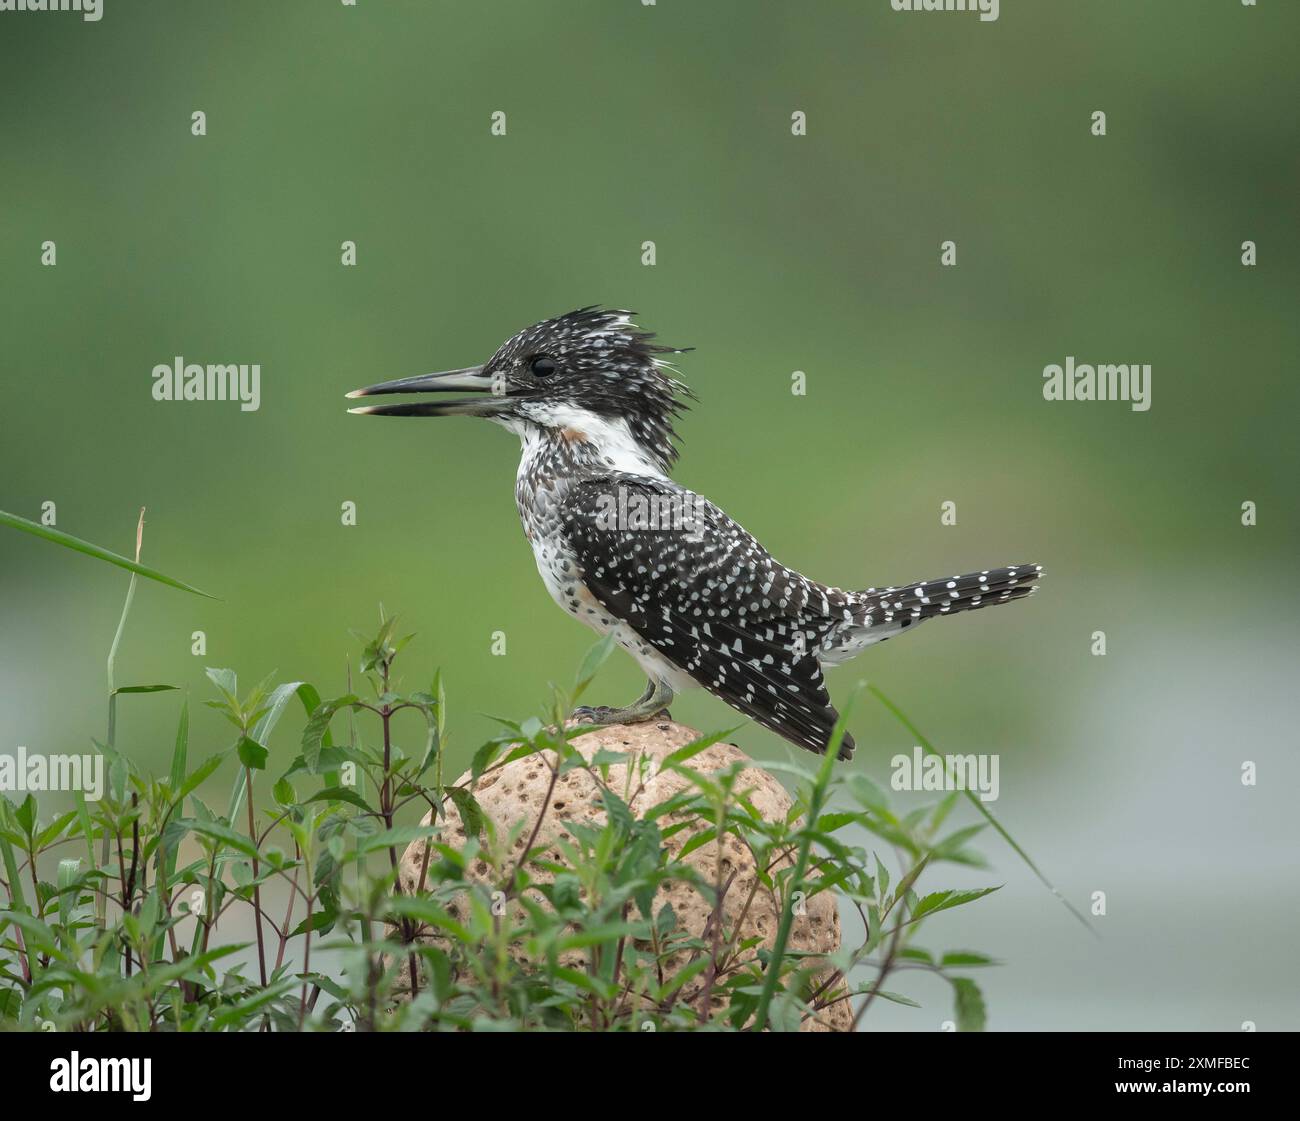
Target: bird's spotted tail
910 603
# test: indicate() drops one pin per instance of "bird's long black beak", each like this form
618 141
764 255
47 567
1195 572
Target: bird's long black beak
451 381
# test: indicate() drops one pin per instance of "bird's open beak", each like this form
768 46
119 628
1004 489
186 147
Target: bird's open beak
452 381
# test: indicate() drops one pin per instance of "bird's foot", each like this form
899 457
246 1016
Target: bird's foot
604 714
651 705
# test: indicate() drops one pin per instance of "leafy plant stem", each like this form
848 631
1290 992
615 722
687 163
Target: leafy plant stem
257 890
101 895
816 800
984 811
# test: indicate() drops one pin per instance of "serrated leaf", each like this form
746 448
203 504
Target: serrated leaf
483 758
944 900
320 920
471 813
25 814
829 823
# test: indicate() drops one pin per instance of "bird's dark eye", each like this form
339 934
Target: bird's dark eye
542 366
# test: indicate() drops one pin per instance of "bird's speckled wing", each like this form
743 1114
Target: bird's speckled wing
709 598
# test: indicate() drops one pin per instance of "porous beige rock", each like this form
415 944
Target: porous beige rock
516 793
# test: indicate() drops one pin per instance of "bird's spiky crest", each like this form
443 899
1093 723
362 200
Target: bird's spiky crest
611 367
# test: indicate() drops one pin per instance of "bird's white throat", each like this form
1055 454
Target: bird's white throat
586 436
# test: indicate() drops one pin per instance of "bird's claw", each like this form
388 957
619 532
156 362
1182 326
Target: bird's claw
604 714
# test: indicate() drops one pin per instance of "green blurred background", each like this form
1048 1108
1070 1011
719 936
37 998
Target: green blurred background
775 253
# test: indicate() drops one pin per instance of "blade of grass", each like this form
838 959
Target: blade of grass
80 546
993 821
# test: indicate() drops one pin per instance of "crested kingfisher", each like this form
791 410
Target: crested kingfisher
690 594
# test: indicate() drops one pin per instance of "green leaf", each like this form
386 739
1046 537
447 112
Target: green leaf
225 680
943 808
943 900
182 746
965 959
471 813
968 1005
594 659
283 792
280 696
118 771
244 1011
144 689
314 734
200 773
52 831
320 920
617 812
954 841
398 837
483 758
897 998
607 932
80 546
868 793
828 823
690 750
252 754
25 814
218 832
311 702
338 794
67 898
32 926
430 911
11 871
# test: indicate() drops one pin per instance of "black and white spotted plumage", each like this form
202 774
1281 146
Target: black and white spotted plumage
717 605
714 603
695 600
